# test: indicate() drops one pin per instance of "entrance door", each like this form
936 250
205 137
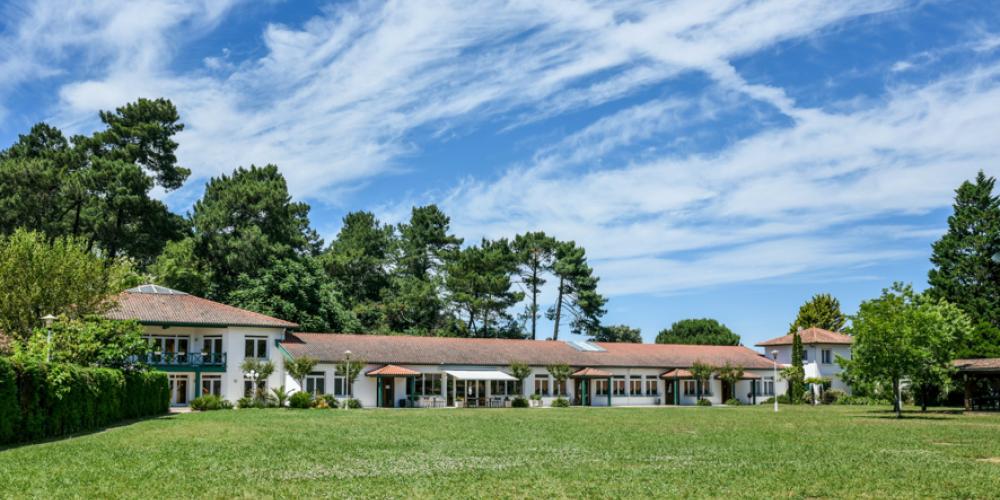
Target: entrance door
178 390
668 394
388 392
727 391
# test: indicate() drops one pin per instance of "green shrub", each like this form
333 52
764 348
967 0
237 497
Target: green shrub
10 409
353 404
733 402
519 402
301 400
782 399
863 401
831 396
704 402
536 397
560 403
41 400
245 402
328 400
210 402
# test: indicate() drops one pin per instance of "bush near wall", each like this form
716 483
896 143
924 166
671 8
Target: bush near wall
41 400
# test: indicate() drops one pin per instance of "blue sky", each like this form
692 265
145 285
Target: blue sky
717 159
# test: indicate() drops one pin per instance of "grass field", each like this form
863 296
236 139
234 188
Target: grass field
591 452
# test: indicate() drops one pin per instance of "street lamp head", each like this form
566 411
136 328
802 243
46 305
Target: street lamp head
774 354
48 319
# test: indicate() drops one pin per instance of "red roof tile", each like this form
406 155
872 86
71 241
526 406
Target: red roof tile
411 350
151 304
677 373
812 336
590 373
392 371
978 365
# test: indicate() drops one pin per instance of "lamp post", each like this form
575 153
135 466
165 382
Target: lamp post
47 321
774 383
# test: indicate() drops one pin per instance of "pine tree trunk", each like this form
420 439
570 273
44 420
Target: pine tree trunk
534 301
555 334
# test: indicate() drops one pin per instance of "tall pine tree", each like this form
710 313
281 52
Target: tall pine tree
967 264
535 256
576 292
821 311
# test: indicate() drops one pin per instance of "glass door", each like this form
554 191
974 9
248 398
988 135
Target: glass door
211 350
178 390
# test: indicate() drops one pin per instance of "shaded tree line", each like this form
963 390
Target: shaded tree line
247 243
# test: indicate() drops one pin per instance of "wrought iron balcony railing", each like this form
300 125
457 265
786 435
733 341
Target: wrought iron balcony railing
186 359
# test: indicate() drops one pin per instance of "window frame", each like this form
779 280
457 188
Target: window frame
826 356
313 378
258 341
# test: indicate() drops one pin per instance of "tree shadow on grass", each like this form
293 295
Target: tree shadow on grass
938 414
121 423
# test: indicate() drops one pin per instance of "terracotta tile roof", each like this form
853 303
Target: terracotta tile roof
151 304
410 350
590 372
812 336
677 373
392 371
978 365
749 376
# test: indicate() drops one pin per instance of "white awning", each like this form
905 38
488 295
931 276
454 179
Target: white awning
479 375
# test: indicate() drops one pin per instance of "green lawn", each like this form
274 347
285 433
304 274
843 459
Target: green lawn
592 452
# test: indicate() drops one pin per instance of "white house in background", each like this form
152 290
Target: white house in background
203 343
820 349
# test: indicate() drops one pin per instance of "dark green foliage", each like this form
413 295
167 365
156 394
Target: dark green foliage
329 400
698 331
39 400
733 402
821 311
301 400
97 188
702 372
576 292
481 289
796 375
782 399
560 402
536 254
246 402
10 409
863 401
704 402
833 396
295 290
519 402
358 259
618 333
966 267
353 404
146 393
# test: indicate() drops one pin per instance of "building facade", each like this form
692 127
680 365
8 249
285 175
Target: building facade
203 344
820 349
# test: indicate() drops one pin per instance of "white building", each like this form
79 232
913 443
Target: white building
820 349
202 344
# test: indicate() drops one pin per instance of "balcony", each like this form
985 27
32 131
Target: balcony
190 361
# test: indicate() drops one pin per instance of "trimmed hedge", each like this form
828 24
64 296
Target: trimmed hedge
42 400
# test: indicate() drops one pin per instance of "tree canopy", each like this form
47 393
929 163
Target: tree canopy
618 333
703 331
821 311
903 335
966 268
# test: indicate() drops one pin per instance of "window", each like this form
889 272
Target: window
767 386
706 387
601 387
503 388
805 354
619 386
652 387
211 350
635 386
542 384
426 384
690 388
168 349
559 388
211 384
339 385
827 356
316 383
248 387
255 347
